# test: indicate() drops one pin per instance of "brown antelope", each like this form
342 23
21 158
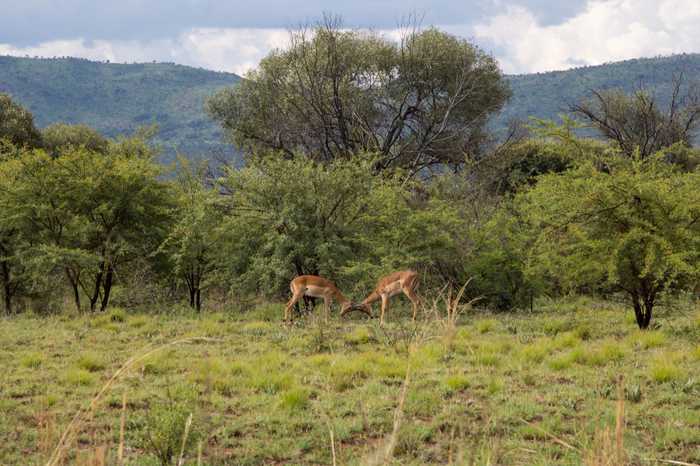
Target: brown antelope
404 282
315 287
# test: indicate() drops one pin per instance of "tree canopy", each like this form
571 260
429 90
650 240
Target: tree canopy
417 103
17 124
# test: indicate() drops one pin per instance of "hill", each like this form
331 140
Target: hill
546 95
117 98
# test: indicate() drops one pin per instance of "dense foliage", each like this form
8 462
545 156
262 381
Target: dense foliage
90 218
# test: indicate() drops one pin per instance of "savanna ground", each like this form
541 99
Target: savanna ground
528 388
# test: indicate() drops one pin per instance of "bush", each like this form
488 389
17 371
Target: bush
166 424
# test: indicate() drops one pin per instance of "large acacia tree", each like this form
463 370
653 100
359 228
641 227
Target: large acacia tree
417 102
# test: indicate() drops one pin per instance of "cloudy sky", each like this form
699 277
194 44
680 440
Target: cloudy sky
232 35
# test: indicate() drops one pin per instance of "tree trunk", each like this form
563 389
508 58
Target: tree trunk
643 307
75 285
98 285
107 288
7 287
198 302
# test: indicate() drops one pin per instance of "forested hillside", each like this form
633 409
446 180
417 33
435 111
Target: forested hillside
546 95
116 98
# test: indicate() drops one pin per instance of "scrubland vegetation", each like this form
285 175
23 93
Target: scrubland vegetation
505 388
143 303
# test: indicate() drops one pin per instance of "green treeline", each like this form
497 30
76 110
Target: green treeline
364 156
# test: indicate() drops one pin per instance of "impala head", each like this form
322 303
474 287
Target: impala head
349 307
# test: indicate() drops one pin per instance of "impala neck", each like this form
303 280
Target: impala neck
340 297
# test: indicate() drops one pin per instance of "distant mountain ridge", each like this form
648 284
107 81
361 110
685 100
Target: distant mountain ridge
117 98
546 95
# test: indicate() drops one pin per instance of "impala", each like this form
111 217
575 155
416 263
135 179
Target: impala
404 282
315 287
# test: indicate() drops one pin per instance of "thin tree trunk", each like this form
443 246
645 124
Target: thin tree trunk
98 284
109 276
7 287
76 290
199 300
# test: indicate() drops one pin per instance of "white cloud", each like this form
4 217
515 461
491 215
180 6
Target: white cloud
606 30
221 49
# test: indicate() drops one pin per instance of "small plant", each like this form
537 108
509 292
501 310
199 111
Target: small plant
583 331
457 383
32 360
662 371
117 315
486 325
633 393
359 335
554 326
91 362
536 351
648 339
169 427
560 362
494 386
295 399
80 377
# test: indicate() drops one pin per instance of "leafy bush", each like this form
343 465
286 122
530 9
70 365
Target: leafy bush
169 423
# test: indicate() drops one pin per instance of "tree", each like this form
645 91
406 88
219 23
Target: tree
17 124
339 220
635 226
638 122
85 213
418 103
61 136
193 241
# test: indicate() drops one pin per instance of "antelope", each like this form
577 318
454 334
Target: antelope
315 287
404 281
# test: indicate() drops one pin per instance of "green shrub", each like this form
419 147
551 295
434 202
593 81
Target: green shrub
166 423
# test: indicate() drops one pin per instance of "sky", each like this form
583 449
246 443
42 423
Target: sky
233 35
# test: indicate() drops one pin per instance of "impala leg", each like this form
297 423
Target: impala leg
385 303
288 310
410 294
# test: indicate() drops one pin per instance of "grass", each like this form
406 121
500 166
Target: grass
262 393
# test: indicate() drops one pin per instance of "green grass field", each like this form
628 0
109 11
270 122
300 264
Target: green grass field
527 389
